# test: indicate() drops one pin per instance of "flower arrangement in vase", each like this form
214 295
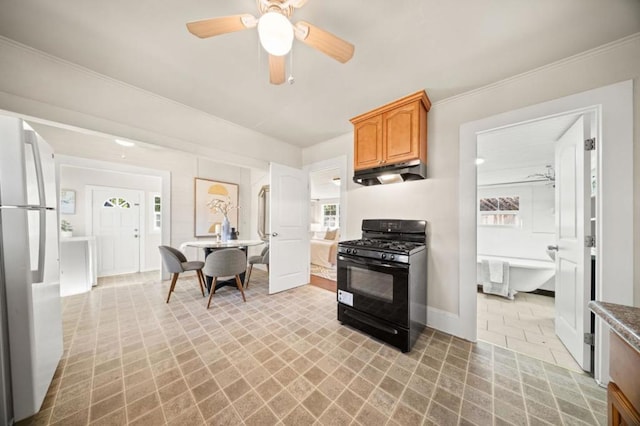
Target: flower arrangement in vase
223 206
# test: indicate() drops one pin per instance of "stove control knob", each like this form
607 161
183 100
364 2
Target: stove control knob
383 255
348 251
392 257
355 251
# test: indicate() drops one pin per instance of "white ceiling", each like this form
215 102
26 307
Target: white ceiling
322 186
445 47
513 153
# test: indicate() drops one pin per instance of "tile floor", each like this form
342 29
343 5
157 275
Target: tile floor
525 325
128 279
130 358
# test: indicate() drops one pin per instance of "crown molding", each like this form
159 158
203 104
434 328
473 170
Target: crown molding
553 65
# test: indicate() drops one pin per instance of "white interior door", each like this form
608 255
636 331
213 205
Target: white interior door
289 225
573 260
116 226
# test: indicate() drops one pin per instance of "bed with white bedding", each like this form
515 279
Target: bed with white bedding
324 249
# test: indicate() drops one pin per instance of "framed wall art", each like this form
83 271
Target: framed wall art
212 200
67 201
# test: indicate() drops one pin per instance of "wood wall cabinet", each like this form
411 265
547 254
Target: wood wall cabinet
393 133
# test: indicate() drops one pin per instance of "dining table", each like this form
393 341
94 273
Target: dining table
211 245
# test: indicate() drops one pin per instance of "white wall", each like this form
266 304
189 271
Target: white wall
183 168
209 169
39 85
537 213
436 198
77 179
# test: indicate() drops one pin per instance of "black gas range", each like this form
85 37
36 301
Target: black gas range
397 251
382 280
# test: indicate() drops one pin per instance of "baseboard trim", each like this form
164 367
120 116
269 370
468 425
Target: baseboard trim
445 322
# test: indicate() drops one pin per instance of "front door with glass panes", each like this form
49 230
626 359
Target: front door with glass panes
116 226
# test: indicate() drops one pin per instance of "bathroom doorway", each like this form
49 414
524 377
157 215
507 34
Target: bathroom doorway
519 210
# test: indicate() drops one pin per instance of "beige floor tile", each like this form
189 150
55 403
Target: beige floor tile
490 315
563 359
528 318
491 337
531 349
506 330
552 342
284 359
528 324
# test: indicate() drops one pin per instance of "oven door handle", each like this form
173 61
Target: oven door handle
369 262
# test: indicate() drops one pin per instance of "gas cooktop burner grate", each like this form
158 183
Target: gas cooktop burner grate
400 246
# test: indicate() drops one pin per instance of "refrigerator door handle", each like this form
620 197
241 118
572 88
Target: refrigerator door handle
27 207
32 139
37 276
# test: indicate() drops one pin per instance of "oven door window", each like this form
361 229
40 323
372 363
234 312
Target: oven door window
373 284
378 288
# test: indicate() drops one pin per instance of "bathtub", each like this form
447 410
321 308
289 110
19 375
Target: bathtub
525 274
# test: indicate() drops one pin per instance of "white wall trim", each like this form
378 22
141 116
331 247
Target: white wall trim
557 64
110 80
141 136
172 124
445 321
615 205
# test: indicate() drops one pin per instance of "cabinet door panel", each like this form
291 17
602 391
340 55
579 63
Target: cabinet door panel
368 143
620 410
401 132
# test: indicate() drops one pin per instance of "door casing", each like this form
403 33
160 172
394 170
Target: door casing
613 105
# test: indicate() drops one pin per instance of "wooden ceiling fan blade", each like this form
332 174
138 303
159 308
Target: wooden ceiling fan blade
223 25
324 41
276 69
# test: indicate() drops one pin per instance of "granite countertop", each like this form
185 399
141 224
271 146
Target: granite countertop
624 320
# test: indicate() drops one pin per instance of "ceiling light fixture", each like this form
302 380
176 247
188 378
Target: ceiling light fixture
275 33
479 161
124 143
336 181
390 178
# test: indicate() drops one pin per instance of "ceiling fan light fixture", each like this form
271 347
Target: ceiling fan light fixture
275 33
124 143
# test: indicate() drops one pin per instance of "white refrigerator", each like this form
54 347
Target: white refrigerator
30 307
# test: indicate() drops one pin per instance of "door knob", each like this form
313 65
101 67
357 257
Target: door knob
554 248
135 236
275 234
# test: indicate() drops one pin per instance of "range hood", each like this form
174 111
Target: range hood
392 173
